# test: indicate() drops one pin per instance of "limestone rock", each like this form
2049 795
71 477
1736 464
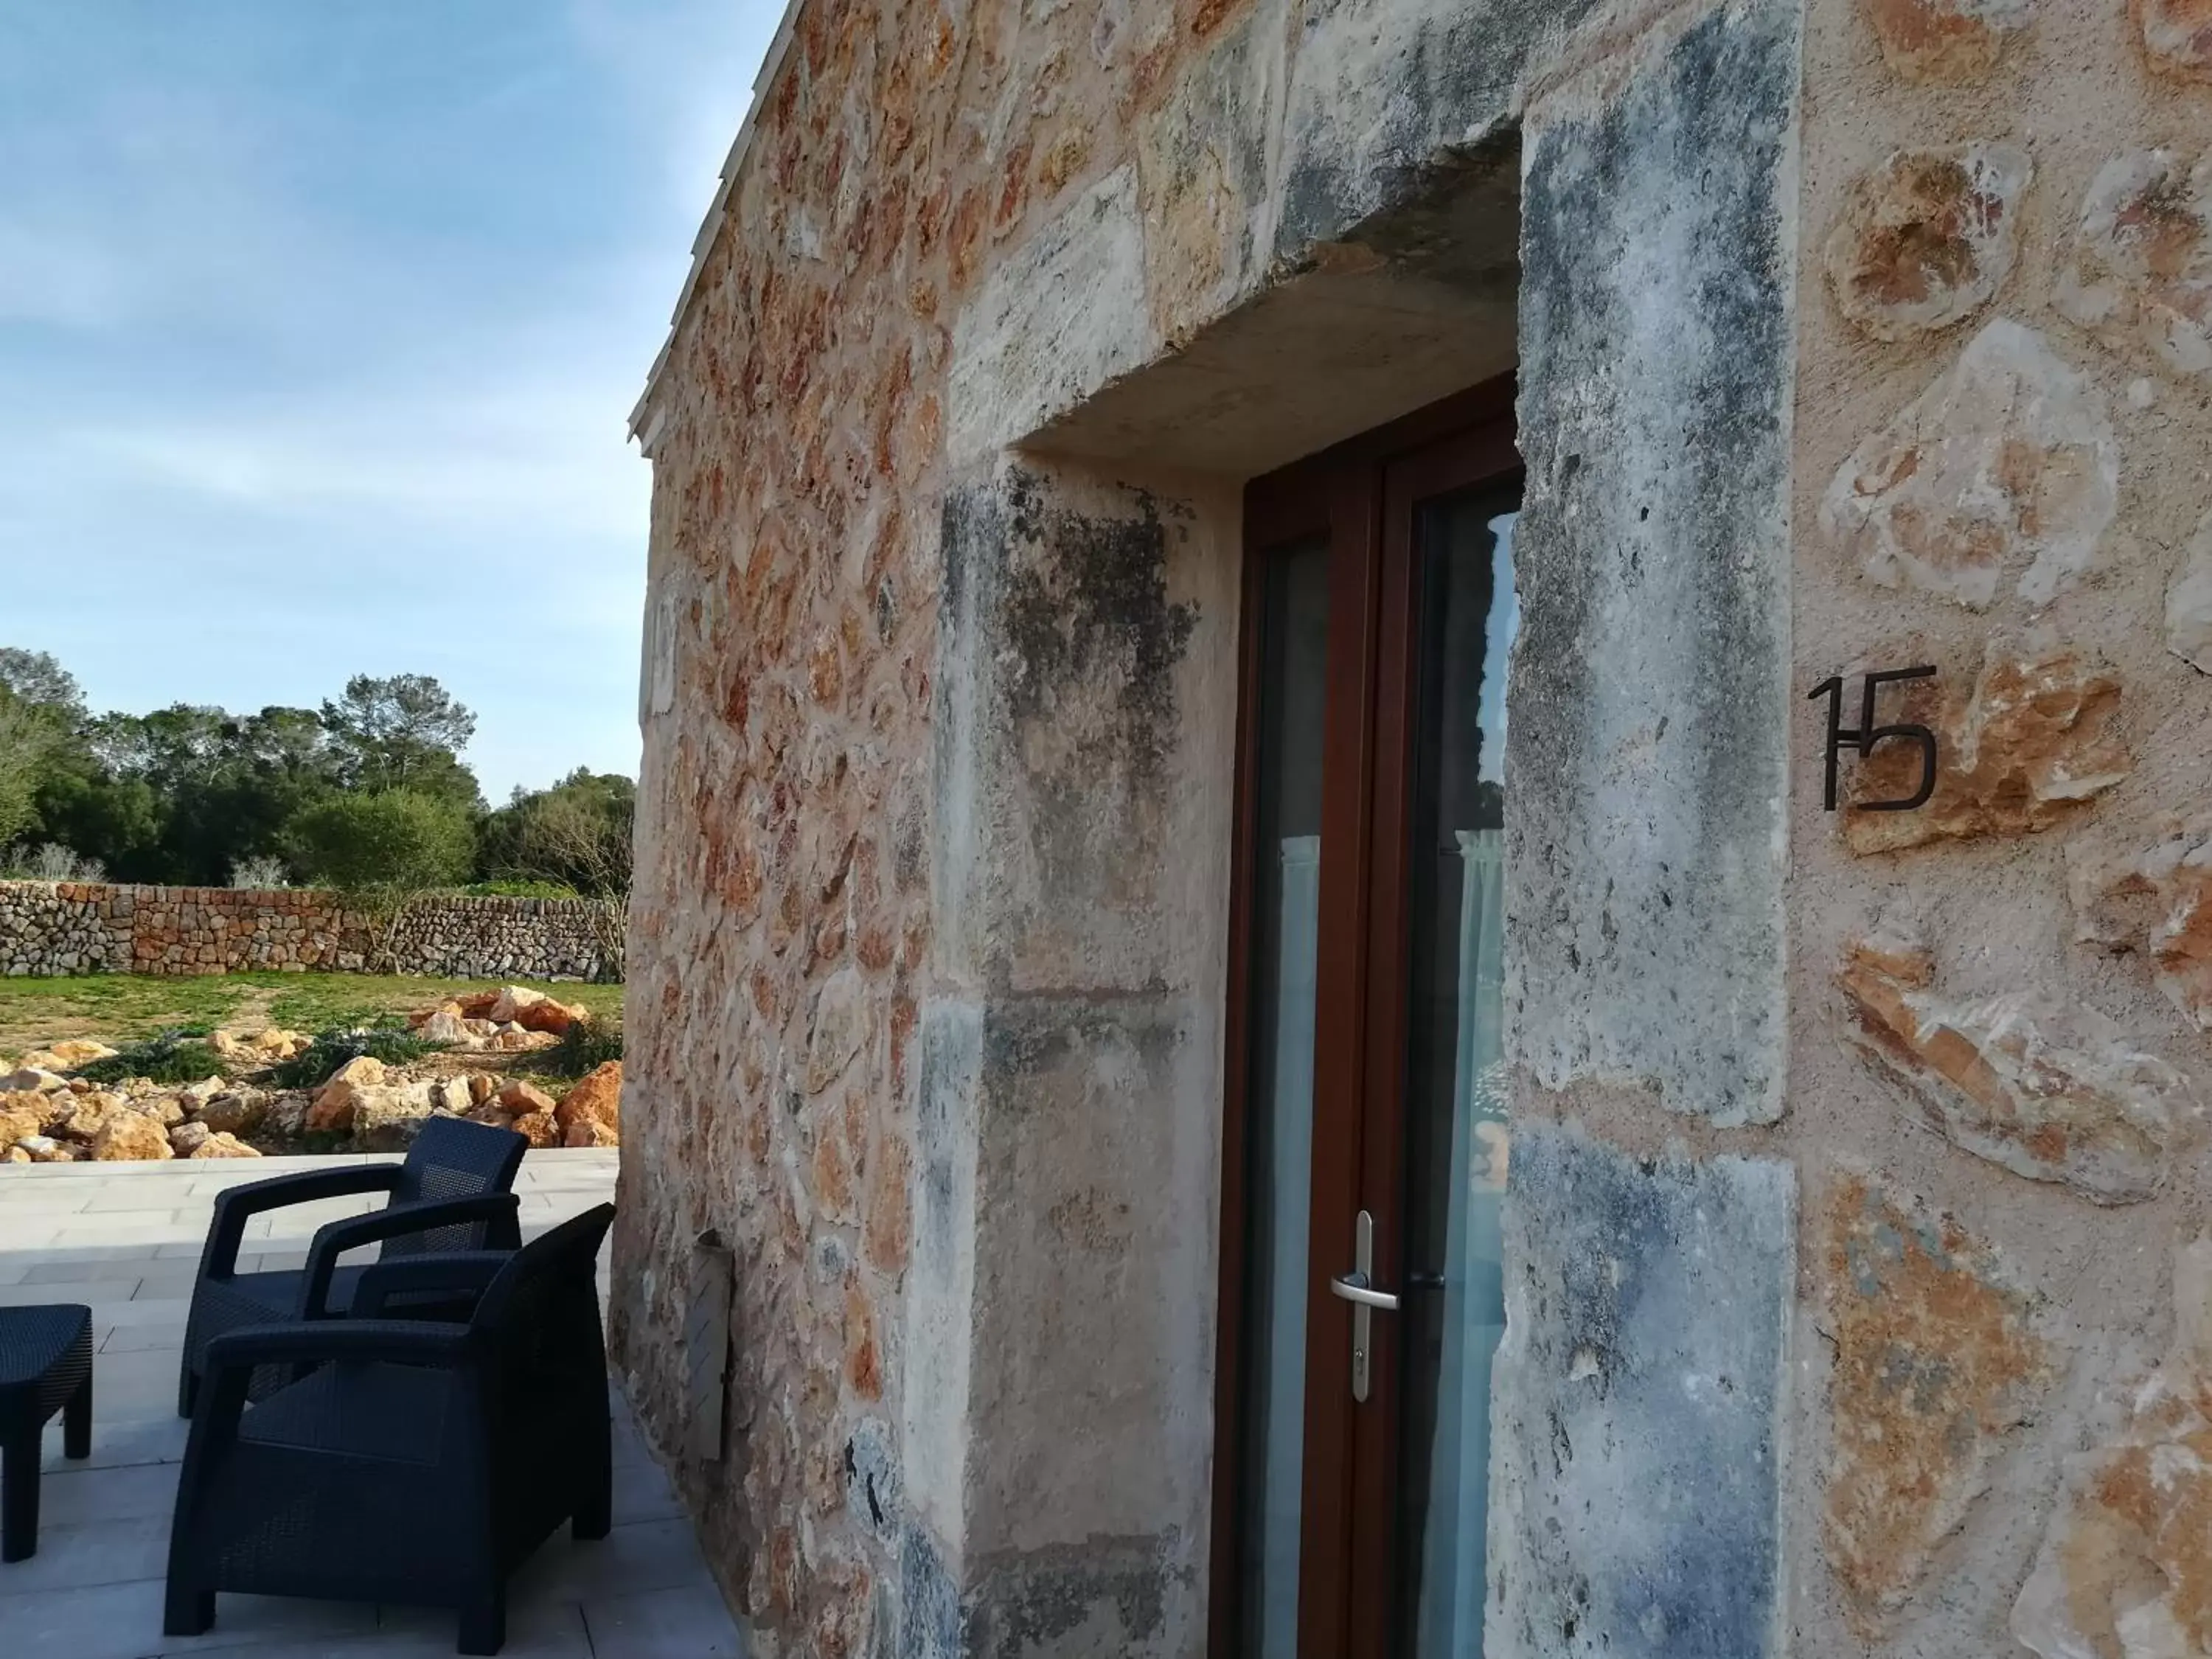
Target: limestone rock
518 1097
1948 42
442 1027
540 1129
2020 752
2005 464
2125 1568
67 1055
2177 36
1927 239
167 1110
386 1117
2049 1089
492 1116
838 1028
482 1086
86 1116
129 1135
239 1111
333 1110
2139 274
2189 603
224 1145
44 1149
593 1106
288 1116
19 1123
1934 1364
419 1018
31 1080
2154 898
187 1137
194 1095
451 1095
14 1155
506 1008
478 1003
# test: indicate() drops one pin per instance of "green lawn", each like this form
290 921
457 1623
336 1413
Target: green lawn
118 1008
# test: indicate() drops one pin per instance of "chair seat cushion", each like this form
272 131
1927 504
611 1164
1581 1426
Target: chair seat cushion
394 1413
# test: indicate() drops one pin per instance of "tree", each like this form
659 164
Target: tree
576 833
395 842
40 709
38 678
404 732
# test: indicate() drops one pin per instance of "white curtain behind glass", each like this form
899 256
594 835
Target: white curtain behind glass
1474 1293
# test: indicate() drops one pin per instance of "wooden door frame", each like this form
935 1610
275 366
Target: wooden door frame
1345 494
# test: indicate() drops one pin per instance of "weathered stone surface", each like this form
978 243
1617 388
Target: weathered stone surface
442 1027
44 1149
31 1080
1948 42
333 1108
2189 603
1929 238
2152 894
2139 275
482 1086
2006 465
1648 746
841 1024
2049 1089
386 1118
19 1123
126 1135
2177 36
1934 1363
2020 750
538 1128
595 1103
67 1056
2125 1570
518 1097
187 1137
451 1095
239 1111
1636 1404
222 1145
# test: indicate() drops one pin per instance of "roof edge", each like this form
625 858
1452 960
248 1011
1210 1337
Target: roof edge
640 416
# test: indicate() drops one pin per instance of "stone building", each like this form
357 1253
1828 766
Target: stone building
1102 891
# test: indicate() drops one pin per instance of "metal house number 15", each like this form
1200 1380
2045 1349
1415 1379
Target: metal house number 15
1867 734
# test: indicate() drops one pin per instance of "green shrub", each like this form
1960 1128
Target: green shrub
393 1044
397 841
587 1044
178 1055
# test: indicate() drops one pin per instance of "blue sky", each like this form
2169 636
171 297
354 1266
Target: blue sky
319 324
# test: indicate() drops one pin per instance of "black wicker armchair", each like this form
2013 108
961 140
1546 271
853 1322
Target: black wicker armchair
415 1462
450 1194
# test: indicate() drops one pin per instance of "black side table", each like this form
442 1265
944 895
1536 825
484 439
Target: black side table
45 1366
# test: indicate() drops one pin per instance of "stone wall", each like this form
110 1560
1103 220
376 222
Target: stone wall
74 927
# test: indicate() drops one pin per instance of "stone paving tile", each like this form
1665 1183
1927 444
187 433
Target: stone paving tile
129 1237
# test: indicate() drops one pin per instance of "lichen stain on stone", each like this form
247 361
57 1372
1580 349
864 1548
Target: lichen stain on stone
2177 36
1934 1363
1947 42
1106 1596
2008 460
2139 273
2052 1090
2125 1570
1929 238
2020 749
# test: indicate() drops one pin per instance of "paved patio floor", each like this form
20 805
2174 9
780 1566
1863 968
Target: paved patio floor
125 1238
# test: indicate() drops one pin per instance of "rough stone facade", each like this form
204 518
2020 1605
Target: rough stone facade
1859 1165
78 928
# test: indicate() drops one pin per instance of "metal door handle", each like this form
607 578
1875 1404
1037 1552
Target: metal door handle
1354 1287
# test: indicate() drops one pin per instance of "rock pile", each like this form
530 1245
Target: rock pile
47 1115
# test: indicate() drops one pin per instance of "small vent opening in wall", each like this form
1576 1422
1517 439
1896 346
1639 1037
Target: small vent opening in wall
707 1344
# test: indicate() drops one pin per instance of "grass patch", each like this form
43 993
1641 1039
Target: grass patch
585 1046
172 1057
392 1044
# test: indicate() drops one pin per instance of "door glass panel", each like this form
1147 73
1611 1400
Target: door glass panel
1456 1139
1285 914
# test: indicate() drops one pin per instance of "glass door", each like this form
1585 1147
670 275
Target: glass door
1367 1142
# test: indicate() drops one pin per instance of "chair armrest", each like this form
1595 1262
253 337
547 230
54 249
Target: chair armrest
351 1232
405 1341
236 1205
469 1271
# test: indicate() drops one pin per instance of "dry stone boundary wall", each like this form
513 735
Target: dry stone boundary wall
75 927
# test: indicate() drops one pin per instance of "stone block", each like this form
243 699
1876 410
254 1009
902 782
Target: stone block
1929 238
1946 42
2139 274
2177 36
1637 1404
2046 1087
2008 460
2149 892
1935 1362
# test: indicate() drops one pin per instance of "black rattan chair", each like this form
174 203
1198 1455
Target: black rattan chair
450 1194
45 1366
415 1462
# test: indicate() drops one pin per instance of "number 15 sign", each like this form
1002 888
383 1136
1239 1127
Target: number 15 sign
1867 734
